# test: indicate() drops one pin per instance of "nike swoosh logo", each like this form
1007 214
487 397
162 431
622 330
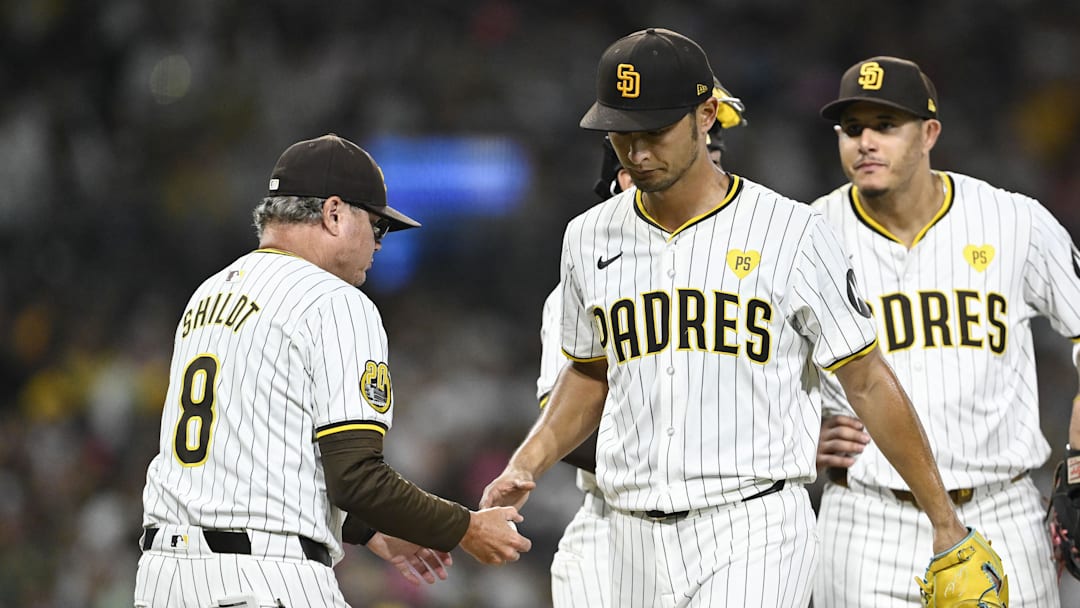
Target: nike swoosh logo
601 263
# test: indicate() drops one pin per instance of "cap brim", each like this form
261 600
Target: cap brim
833 110
398 220
605 118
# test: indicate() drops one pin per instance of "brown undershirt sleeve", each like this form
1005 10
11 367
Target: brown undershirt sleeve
360 483
584 456
355 532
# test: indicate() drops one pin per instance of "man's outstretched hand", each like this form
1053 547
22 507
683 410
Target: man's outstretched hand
417 564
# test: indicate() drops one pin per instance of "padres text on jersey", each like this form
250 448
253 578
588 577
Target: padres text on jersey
711 334
963 353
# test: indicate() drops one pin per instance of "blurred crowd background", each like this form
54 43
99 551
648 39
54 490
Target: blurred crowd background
135 137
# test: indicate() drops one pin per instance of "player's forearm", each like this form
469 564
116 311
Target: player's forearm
584 455
360 483
571 415
884 408
894 426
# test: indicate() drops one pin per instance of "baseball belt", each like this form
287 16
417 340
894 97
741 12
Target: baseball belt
663 516
594 503
238 543
959 496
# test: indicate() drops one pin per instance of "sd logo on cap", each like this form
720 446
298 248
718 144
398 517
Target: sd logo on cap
889 81
648 80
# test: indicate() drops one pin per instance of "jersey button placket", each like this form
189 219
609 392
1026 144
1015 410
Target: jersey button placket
665 371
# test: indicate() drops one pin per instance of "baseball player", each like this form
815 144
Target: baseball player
954 270
692 308
579 570
279 397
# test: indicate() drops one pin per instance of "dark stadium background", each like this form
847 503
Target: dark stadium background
136 136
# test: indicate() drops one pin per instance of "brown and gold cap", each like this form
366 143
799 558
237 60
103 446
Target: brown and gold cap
889 81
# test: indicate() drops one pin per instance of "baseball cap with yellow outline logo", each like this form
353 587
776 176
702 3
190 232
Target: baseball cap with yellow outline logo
889 81
648 80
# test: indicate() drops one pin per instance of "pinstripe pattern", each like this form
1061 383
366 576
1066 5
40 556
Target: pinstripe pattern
975 389
200 582
873 545
691 427
580 575
979 408
709 334
756 553
296 364
579 569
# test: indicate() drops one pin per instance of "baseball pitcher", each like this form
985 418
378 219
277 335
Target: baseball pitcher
579 570
697 310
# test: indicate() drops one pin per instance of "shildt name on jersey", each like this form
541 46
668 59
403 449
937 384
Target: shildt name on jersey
219 309
704 323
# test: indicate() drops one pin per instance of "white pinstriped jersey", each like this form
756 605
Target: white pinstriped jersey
580 569
270 352
954 315
552 361
711 335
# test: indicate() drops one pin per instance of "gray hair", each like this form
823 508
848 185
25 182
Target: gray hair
286 210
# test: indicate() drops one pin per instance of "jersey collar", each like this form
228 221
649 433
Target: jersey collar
733 190
275 251
864 217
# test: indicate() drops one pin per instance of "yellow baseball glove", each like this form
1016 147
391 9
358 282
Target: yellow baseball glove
969 575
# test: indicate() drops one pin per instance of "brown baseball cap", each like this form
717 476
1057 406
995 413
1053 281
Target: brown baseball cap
334 166
648 80
889 81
